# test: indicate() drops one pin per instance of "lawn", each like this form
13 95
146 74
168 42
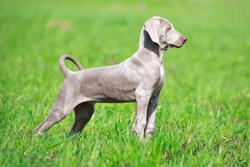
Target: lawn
203 117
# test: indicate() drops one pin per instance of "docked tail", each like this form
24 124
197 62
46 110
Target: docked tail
63 67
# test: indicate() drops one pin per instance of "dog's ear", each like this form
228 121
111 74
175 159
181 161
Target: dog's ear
153 27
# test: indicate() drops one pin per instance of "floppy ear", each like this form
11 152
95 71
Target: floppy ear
152 26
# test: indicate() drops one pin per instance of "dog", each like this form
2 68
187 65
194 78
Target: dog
137 79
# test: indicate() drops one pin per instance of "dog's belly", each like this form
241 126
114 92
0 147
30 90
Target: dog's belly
116 90
115 97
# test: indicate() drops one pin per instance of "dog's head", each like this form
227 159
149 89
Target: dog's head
162 32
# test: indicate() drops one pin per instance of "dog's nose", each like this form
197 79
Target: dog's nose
184 40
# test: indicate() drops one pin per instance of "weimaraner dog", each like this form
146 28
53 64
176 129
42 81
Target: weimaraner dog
137 79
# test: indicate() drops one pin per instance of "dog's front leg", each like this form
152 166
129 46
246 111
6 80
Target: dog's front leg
142 99
151 114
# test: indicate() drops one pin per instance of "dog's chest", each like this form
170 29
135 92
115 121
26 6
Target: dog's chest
160 81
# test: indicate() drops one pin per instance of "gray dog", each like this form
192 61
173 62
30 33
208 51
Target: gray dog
138 79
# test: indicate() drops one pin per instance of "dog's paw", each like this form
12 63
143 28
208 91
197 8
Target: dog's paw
37 134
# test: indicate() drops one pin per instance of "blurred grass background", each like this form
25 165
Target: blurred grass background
203 117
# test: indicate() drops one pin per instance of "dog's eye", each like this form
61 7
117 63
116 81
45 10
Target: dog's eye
168 28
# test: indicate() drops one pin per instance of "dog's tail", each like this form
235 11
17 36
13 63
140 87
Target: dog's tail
63 67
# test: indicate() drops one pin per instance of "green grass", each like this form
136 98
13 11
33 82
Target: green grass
203 117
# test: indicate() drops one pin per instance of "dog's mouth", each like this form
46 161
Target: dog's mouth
175 46
178 44
172 46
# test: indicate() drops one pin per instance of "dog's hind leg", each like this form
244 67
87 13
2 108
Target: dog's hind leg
65 102
83 113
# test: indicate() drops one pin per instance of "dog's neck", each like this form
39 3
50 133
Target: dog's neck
146 43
